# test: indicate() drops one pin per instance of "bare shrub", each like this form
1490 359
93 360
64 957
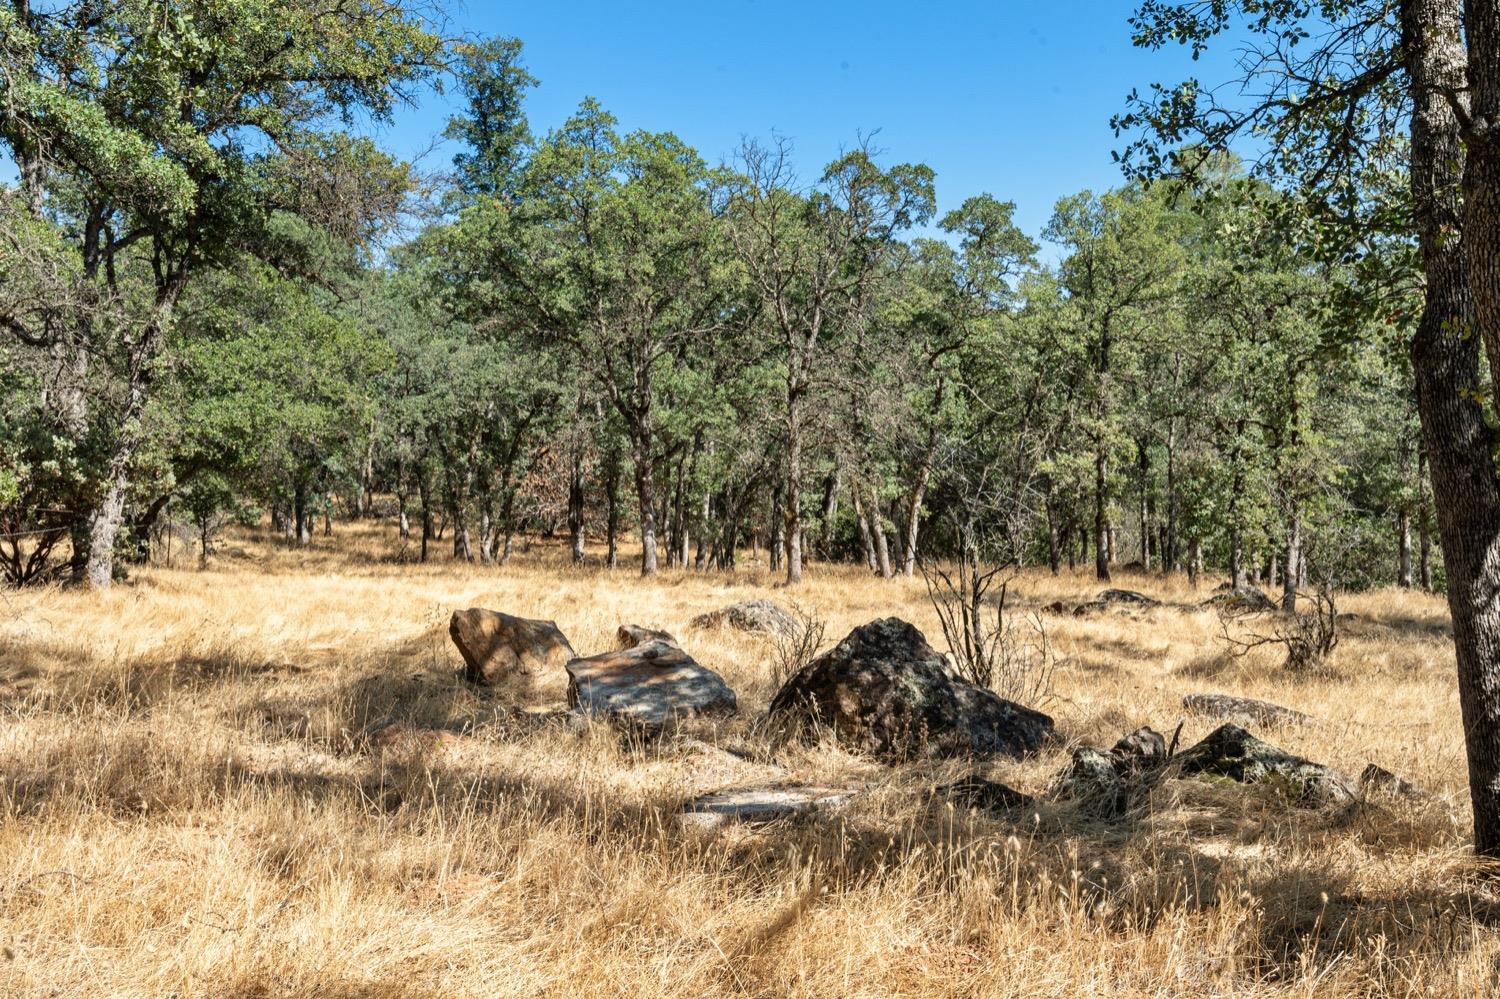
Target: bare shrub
797 646
1307 637
1014 659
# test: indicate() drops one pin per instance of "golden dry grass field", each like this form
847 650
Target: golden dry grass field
190 805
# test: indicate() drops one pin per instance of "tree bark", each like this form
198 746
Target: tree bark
109 515
862 523
612 513
1054 554
1101 523
793 498
830 512
1463 284
1293 564
577 500
877 533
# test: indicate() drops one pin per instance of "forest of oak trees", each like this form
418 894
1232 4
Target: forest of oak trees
219 303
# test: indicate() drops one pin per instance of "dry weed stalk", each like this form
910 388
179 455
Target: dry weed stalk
1307 638
1015 661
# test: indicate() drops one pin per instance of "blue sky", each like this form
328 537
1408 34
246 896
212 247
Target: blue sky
1009 98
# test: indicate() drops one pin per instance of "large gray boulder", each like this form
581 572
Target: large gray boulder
650 685
884 691
751 615
495 646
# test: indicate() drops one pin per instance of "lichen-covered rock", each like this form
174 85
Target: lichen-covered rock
1114 598
751 615
1231 753
1248 708
1241 599
1107 784
648 685
883 690
495 646
1145 748
1096 780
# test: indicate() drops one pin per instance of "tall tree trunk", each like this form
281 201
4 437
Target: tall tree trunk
778 526
919 489
486 536
1101 521
577 498
1054 556
1171 556
1403 549
1195 562
645 489
863 523
830 512
612 512
424 498
1072 537
301 514
108 516
914 519
877 533
1293 564
1143 464
793 497
1445 354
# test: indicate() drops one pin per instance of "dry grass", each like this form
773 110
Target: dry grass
189 805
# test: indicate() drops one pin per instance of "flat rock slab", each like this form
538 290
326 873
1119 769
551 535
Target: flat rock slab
764 616
884 691
650 684
1248 708
495 646
761 804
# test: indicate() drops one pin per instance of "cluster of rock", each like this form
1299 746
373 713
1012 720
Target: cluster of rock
1236 599
1106 599
885 692
882 690
1110 784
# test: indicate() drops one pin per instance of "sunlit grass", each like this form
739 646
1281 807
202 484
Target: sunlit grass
190 805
